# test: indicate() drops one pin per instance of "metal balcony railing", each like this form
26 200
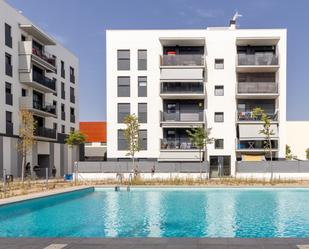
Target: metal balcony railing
182 60
44 107
248 116
45 56
258 59
257 87
182 117
45 132
44 81
182 88
177 144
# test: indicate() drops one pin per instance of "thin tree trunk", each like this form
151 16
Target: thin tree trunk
23 167
201 167
271 159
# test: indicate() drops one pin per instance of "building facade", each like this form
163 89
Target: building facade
95 145
39 75
174 80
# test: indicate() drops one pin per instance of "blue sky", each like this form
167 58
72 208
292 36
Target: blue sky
80 26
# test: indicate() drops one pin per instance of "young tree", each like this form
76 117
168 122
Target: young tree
26 137
259 113
75 138
288 152
200 138
131 134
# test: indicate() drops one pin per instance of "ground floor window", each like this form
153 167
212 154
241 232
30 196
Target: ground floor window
220 166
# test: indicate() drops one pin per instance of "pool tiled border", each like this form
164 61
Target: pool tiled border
42 194
154 243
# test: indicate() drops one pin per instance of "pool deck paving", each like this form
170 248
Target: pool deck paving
153 243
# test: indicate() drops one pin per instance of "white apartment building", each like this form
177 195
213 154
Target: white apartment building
40 75
174 80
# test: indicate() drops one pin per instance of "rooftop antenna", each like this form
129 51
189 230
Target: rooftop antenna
234 19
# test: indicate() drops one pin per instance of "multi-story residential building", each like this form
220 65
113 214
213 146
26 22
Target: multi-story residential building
39 75
177 79
95 145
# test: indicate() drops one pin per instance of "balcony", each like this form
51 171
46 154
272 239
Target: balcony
187 60
259 62
177 144
182 90
28 53
248 116
8 98
9 129
43 132
8 69
257 89
43 109
254 145
44 81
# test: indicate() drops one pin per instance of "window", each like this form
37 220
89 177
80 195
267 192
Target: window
72 115
8 35
72 129
8 65
123 111
219 90
55 80
142 59
23 38
8 117
23 92
122 142
62 90
219 117
123 59
9 123
62 112
55 126
63 129
219 63
55 105
8 94
219 143
62 69
123 86
72 95
143 139
72 75
142 112
142 86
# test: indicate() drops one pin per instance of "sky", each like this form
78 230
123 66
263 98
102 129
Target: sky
80 26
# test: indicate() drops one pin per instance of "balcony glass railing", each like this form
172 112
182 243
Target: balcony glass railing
45 132
44 107
258 59
248 116
177 144
257 87
182 117
182 88
44 56
41 79
256 145
182 60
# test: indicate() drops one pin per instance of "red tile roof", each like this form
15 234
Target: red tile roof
94 131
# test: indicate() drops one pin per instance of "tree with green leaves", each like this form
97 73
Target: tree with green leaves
288 152
307 153
200 137
131 134
267 132
75 138
26 137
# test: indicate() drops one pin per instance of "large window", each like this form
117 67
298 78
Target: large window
72 75
142 86
123 111
219 143
123 59
62 69
219 90
143 139
122 142
219 63
8 94
8 35
124 86
8 65
62 112
219 117
62 90
142 59
142 112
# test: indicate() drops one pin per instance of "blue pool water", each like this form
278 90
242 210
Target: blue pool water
243 213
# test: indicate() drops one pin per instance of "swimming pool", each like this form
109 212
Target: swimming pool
161 212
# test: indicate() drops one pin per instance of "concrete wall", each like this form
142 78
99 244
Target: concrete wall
298 137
